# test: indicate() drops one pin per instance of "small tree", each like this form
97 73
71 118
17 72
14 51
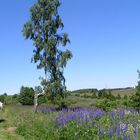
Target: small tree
135 99
26 96
102 93
118 96
2 97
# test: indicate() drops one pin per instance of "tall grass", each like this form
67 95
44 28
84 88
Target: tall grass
20 123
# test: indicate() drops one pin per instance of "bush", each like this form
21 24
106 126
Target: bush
26 96
135 99
106 93
118 97
62 103
93 95
106 104
2 97
125 97
77 94
102 93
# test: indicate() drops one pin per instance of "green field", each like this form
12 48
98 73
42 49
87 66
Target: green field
20 123
115 92
10 119
14 116
122 92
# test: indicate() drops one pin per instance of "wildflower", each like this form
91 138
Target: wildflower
135 133
110 132
112 114
93 123
118 131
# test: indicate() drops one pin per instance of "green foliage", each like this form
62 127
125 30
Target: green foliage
105 93
125 97
29 132
44 29
62 103
118 97
102 93
42 99
40 126
2 97
77 94
85 91
26 96
94 95
126 102
110 95
129 91
106 104
135 99
9 99
85 95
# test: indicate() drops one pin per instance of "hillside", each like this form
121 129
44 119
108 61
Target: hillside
115 91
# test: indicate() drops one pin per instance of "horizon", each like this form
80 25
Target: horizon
117 88
105 42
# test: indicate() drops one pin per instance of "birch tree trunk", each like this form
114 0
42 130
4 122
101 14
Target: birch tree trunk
36 97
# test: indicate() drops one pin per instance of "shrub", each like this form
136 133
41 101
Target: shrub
94 95
77 94
135 99
125 97
62 103
26 96
106 104
118 97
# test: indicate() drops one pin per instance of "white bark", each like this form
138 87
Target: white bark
36 97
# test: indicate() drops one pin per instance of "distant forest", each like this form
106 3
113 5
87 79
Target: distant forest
91 90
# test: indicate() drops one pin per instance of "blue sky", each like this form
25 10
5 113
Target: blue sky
105 42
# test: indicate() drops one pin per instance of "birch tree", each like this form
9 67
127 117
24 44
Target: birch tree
44 28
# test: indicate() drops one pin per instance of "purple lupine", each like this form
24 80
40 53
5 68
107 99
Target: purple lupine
128 138
121 113
135 133
78 115
92 114
50 110
118 131
93 123
86 117
131 119
99 129
124 136
112 114
83 115
110 132
43 109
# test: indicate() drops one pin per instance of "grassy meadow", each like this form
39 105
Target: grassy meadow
122 91
20 123
82 120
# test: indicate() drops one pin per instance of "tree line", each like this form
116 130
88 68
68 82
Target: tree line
24 97
104 98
